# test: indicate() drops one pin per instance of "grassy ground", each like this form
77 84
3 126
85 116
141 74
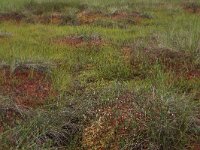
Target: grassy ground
83 74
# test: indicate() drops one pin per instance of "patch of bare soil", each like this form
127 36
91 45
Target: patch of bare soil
13 16
114 124
78 41
192 8
28 87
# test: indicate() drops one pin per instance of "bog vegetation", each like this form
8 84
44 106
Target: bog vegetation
100 75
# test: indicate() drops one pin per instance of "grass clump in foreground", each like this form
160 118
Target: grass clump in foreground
99 75
141 122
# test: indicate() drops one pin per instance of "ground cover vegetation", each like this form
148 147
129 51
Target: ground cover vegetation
100 75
